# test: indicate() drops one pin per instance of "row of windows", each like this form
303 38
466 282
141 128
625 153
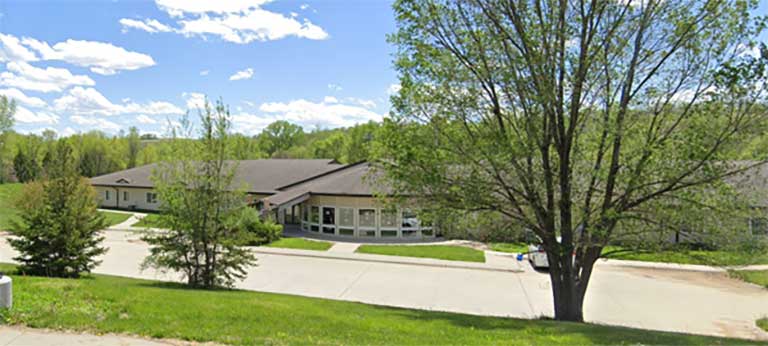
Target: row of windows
151 196
341 221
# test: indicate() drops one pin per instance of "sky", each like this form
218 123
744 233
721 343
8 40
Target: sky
80 65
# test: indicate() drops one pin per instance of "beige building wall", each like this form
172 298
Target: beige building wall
125 198
136 198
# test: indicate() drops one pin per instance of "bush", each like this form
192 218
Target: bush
260 231
483 227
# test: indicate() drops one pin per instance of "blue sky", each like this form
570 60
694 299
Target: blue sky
81 65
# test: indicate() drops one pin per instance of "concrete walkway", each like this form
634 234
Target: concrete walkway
20 336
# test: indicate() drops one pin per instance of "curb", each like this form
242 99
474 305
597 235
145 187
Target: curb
262 250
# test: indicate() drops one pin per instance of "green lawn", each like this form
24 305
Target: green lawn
8 213
108 304
151 220
443 252
683 256
509 247
114 218
757 277
301 243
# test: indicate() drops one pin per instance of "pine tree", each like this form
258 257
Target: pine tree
59 234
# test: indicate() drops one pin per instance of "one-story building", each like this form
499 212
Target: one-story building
320 195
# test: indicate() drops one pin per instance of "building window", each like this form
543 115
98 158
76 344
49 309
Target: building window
125 195
314 214
367 233
347 217
304 213
329 216
367 217
388 219
329 220
106 195
151 197
409 220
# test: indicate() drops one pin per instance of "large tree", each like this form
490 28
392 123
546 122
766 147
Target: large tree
280 136
59 233
201 207
571 117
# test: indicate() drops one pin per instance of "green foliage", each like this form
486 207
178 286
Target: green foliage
260 231
10 193
109 304
201 211
280 136
58 234
134 145
301 244
443 252
7 110
111 218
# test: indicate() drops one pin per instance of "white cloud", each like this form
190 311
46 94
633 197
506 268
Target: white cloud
95 122
25 76
334 87
194 100
101 57
363 102
244 74
304 6
178 8
24 115
88 101
320 114
330 99
149 25
237 21
250 124
11 49
21 98
143 119
204 72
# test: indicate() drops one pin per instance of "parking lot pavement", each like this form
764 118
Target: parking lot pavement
682 301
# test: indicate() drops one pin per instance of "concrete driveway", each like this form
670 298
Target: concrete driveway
691 302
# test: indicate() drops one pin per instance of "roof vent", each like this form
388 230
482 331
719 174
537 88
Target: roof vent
123 181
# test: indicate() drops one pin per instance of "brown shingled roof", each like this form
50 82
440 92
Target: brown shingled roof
260 176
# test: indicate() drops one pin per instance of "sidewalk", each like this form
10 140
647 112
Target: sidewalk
22 336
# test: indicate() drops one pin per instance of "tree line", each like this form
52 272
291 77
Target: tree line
27 157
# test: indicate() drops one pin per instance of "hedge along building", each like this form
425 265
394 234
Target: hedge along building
320 196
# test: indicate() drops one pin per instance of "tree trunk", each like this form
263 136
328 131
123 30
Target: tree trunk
568 297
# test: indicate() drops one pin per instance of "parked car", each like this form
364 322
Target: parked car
537 256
